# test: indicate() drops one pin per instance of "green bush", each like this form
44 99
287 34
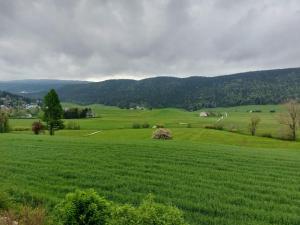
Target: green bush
88 208
151 212
148 213
124 215
84 208
136 126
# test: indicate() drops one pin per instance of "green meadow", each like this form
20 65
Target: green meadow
213 176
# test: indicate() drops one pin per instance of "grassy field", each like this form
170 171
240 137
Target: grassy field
115 118
215 177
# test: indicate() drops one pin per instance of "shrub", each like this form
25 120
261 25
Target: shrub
72 125
161 133
148 213
189 125
151 212
136 126
84 207
272 111
124 215
146 125
38 127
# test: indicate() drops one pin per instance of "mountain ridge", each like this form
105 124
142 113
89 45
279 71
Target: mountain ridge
253 87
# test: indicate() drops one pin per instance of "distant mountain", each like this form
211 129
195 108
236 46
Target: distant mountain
259 87
31 87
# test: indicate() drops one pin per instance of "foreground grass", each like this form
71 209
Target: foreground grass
205 173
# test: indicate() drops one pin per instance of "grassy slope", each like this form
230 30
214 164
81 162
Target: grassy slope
216 177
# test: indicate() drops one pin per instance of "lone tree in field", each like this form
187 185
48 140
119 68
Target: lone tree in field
4 127
52 111
291 119
254 121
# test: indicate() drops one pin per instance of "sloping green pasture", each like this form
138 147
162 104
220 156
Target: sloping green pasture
215 177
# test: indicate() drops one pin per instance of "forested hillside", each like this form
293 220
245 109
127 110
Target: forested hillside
260 87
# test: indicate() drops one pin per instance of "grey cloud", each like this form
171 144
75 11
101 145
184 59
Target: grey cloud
103 39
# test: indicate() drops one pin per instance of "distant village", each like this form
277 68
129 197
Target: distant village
26 109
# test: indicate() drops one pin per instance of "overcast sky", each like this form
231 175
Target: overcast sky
104 39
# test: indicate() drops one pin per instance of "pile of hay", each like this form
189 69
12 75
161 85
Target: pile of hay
162 133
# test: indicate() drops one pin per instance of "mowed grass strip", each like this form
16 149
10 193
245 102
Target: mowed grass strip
211 183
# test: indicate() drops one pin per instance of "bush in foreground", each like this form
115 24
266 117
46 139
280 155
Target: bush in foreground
84 208
162 133
88 208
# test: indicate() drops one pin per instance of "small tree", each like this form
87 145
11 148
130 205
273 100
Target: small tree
53 111
4 126
254 121
291 118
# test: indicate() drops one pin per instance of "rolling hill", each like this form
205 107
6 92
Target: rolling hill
259 87
191 93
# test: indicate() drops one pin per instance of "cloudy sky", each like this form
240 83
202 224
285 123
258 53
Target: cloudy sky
104 39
